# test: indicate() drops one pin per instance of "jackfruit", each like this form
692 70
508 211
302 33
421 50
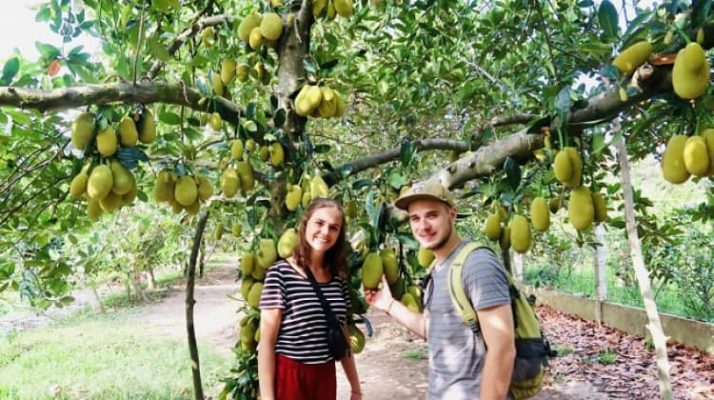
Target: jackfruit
277 155
228 70
540 214
708 136
581 210
215 121
164 188
128 135
410 302
425 257
690 75
82 130
357 339
562 168
110 202
271 27
237 149
217 84
293 198
318 6
79 185
205 189
577 167
230 182
250 22
415 291
306 199
600 207
186 191
147 127
94 210
343 7
107 141
696 157
673 168
398 288
331 12
390 264
218 232
254 295
128 197
122 179
287 242
256 39
236 229
318 187
247 263
266 254
259 273
328 105
193 209
632 57
245 172
340 108
520 234
493 227
372 270
100 182
207 37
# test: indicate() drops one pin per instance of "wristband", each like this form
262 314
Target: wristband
389 309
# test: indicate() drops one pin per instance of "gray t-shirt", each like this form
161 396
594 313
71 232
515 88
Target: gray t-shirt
456 355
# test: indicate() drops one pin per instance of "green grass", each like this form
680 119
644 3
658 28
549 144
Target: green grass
414 355
102 357
607 357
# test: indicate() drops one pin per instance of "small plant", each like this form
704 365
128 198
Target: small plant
607 357
414 355
564 350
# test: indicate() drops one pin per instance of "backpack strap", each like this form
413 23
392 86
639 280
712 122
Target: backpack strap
456 288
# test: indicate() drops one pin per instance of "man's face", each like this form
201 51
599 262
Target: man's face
431 222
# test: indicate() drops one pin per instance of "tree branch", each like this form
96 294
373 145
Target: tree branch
142 92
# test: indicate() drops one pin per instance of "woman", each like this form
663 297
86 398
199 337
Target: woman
294 361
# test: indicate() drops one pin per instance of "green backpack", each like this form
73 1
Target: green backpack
532 349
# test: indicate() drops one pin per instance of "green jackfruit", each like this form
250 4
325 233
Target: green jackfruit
690 75
425 257
600 207
82 130
147 127
266 254
357 339
128 135
250 22
581 210
230 182
390 264
107 141
185 191
100 182
632 57
540 214
254 295
271 27
287 242
247 263
122 179
372 270
520 234
493 227
673 167
696 157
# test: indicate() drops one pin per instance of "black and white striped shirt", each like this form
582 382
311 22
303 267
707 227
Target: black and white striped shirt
303 328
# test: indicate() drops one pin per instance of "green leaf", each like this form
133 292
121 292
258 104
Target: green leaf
47 51
280 118
406 152
169 118
322 148
12 66
362 183
607 16
562 101
158 50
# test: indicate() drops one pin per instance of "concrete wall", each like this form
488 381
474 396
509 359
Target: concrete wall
629 319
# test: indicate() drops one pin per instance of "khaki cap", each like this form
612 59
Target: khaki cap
426 190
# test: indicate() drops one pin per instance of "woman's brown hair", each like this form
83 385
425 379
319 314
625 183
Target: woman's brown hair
336 256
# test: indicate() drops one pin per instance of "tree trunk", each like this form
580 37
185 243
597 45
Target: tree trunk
643 279
152 278
600 267
192 346
137 282
518 267
202 260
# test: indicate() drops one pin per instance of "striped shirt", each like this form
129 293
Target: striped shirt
303 329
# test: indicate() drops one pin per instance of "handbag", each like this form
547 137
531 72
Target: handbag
336 341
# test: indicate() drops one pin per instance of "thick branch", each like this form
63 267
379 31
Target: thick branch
142 92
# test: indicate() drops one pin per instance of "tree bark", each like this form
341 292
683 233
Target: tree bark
643 279
600 267
191 332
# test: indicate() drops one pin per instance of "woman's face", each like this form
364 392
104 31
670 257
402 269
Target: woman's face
323 228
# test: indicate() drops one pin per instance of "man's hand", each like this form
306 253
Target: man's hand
380 299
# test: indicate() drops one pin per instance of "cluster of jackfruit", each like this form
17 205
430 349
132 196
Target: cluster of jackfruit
107 187
319 102
386 263
686 156
309 189
110 185
249 328
257 30
231 71
332 8
182 192
241 177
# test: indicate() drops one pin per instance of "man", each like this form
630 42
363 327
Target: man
461 365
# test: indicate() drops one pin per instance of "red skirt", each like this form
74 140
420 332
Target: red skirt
298 381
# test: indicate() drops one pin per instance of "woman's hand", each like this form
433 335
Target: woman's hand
356 395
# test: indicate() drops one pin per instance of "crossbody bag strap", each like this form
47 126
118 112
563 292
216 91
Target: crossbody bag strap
331 317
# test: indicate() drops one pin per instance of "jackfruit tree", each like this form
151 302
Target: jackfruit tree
251 108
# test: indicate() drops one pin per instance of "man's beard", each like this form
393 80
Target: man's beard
442 242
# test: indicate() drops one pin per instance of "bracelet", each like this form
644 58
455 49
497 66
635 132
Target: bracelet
355 392
389 309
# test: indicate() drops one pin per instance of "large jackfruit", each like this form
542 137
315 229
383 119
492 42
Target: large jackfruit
128 135
277 154
293 198
164 188
237 149
100 182
581 210
245 285
256 39
673 167
372 270
94 209
540 214
254 294
577 165
205 189
217 84
410 302
271 27
520 234
236 229
690 75
230 182
228 70
147 127
78 186
287 242
185 191
696 156
632 57
318 187
343 7
708 136
122 179
357 339
425 257
245 172
82 130
247 263
110 202
266 254
562 167
493 227
390 264
107 141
